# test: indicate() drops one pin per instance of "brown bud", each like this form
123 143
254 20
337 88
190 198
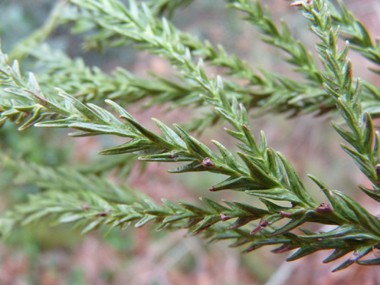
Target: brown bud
207 162
172 155
84 207
224 217
281 249
285 214
212 189
324 208
262 225
101 214
252 248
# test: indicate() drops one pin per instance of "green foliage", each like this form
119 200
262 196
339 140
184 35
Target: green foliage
65 93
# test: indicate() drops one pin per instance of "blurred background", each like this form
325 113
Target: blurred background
57 255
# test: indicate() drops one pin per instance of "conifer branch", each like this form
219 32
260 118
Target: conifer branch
270 92
102 203
87 211
260 172
174 146
55 19
337 82
55 68
299 55
266 174
304 60
356 33
275 92
94 85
